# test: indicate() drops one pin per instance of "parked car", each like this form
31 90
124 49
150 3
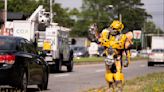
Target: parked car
143 53
101 51
156 57
21 65
134 53
80 51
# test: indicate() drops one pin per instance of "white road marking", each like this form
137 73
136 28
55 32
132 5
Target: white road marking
125 68
142 65
90 65
100 70
61 75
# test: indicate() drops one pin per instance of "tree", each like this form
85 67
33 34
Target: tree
62 16
150 28
28 7
96 11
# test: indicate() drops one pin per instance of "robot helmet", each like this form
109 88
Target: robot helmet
117 25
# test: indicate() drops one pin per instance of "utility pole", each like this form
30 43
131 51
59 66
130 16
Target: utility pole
5 14
51 12
120 17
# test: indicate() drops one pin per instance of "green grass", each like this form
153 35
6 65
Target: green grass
150 83
83 60
89 60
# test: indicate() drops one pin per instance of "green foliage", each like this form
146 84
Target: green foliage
89 60
92 11
74 12
24 6
150 83
1 5
150 28
97 11
136 44
28 7
62 16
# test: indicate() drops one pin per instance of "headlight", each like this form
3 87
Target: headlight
80 53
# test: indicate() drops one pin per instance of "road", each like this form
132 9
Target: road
91 76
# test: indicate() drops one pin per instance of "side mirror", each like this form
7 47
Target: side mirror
73 41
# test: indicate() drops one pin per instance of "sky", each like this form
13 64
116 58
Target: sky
153 7
156 9
70 3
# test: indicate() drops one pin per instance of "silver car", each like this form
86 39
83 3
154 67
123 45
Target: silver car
156 57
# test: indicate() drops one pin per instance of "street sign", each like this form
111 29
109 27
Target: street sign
137 34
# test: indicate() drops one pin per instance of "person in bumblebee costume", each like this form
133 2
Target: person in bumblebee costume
115 44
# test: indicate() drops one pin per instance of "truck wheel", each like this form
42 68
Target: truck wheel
70 66
58 65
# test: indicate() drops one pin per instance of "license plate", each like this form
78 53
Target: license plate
48 59
50 63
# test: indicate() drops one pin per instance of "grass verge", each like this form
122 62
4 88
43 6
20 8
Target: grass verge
86 60
150 83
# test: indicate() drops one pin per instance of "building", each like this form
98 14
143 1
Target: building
10 17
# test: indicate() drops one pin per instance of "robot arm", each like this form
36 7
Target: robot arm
40 16
128 45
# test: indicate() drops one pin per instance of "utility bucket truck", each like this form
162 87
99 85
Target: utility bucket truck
57 47
28 28
49 37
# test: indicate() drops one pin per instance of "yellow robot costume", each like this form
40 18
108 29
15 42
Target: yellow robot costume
115 43
112 38
128 45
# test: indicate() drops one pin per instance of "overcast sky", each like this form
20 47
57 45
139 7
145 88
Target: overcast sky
154 7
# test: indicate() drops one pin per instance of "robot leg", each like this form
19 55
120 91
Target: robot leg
128 55
118 76
108 74
109 77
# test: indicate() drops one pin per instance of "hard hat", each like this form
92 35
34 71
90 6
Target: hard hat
117 25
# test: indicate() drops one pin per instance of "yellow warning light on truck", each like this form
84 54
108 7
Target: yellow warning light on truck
47 45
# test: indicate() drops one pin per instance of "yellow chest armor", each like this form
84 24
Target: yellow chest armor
116 42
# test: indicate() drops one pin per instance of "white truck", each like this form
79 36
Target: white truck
54 41
157 51
27 28
157 42
57 47
24 29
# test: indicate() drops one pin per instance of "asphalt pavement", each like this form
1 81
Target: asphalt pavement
92 76
89 76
